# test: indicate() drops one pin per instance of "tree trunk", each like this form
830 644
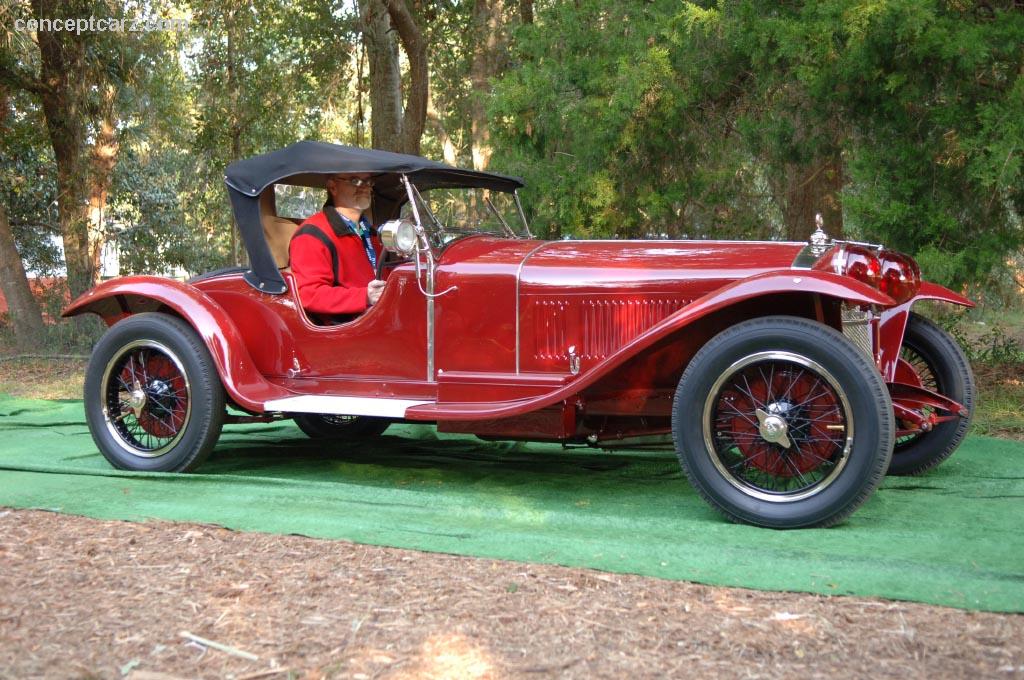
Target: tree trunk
234 127
104 158
26 318
807 190
488 45
360 112
415 47
451 154
385 77
526 11
22 307
392 129
63 72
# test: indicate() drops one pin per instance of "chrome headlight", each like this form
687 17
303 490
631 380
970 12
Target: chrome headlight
398 236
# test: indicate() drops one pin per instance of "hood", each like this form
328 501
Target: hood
622 265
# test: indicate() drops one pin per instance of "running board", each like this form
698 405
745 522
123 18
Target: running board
344 406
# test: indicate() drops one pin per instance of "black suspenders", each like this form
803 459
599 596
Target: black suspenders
311 230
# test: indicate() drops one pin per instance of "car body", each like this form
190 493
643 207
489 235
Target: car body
610 343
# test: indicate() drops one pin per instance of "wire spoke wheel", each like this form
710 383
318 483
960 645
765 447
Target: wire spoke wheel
153 399
146 398
924 370
930 357
778 426
763 423
925 375
337 426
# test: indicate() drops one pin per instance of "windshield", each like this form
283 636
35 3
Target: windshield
449 214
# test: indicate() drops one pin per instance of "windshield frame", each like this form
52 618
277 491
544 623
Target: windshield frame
433 230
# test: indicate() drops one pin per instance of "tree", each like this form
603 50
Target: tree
622 129
63 86
262 78
395 127
900 122
26 319
75 76
488 57
25 316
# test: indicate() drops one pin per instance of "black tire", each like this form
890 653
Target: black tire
942 366
153 399
324 426
833 390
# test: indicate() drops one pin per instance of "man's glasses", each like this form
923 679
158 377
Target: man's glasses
357 182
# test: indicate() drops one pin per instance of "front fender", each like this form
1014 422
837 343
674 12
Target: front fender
933 291
119 298
893 324
763 285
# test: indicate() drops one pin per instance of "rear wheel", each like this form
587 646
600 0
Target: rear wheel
329 426
931 358
782 422
153 400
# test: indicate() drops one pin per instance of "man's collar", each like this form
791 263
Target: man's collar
339 224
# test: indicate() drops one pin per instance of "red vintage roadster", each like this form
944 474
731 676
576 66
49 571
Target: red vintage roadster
790 377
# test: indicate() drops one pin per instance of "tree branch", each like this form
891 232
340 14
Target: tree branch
19 80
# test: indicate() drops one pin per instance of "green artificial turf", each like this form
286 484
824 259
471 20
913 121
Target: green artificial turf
952 537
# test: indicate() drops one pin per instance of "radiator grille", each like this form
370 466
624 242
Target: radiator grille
857 328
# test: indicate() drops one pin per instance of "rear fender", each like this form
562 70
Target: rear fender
120 298
893 324
768 285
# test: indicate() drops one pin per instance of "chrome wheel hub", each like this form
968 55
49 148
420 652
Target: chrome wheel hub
137 399
773 428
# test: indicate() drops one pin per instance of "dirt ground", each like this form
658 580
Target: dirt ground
81 598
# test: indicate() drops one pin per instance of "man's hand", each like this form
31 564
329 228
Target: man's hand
374 289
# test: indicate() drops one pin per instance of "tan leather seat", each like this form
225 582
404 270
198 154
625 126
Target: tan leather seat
277 230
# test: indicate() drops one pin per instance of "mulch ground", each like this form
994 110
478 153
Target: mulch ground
82 598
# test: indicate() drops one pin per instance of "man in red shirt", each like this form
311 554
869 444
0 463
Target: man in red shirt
333 254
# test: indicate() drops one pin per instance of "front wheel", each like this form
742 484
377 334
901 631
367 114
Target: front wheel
153 399
782 422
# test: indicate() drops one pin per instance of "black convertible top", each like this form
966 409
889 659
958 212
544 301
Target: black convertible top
309 164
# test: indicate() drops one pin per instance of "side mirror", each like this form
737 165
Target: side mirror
399 236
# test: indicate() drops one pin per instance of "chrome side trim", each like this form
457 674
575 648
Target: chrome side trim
658 241
343 406
519 274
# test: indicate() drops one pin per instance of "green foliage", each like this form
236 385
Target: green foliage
627 119
982 342
28 187
631 118
600 115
